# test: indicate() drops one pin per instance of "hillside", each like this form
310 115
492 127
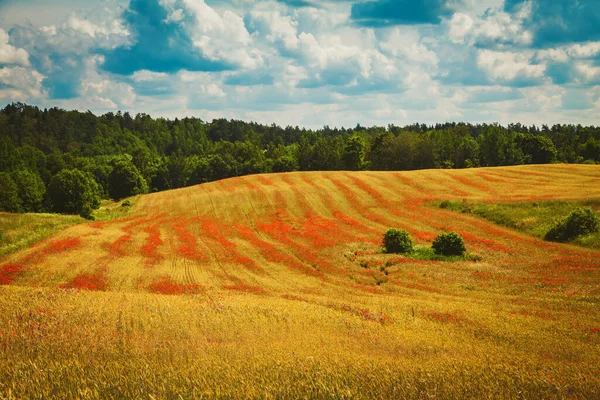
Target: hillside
232 286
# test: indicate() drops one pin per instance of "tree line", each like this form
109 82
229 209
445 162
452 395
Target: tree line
65 161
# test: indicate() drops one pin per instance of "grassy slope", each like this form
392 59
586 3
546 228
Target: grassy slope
278 302
20 231
534 218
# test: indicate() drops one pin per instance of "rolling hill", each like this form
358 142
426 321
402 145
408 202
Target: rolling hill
275 286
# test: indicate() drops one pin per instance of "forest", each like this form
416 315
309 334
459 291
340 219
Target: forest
54 160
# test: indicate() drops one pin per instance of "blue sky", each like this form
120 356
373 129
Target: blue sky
308 63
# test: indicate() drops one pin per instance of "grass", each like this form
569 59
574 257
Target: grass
534 218
141 345
19 231
111 210
256 287
427 253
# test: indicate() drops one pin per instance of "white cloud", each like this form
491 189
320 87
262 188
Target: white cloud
556 55
175 16
101 90
509 66
148 76
220 37
10 54
494 28
19 83
104 29
460 26
276 28
583 51
307 65
589 72
405 43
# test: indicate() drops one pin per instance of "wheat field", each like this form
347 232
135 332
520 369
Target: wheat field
275 286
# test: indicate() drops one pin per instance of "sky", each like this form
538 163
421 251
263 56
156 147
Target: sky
308 63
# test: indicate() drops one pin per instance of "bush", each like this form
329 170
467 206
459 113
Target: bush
449 244
126 203
397 241
579 223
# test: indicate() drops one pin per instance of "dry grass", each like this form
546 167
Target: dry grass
273 286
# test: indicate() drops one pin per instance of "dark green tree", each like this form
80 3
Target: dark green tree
537 149
31 189
9 195
72 191
219 168
285 164
354 153
125 180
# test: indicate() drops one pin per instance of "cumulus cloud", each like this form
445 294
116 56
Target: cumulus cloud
507 66
20 83
493 29
60 52
277 29
369 61
406 44
168 36
10 55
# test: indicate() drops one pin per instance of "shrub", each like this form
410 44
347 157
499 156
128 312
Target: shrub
397 241
445 204
449 244
579 223
126 203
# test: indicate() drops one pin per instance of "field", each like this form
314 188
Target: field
274 286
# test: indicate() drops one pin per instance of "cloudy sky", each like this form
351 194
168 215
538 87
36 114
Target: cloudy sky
307 62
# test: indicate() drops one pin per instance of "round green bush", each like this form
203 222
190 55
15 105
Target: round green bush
579 223
449 244
397 241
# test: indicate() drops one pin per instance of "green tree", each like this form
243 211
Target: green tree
354 153
125 180
72 191
9 194
200 170
31 189
101 172
285 164
219 168
537 149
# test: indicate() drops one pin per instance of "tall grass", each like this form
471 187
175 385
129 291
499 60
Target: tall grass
71 344
276 287
20 231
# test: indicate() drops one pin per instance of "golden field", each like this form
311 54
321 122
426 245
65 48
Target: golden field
274 286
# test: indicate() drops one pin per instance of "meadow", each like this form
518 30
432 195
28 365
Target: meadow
275 286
